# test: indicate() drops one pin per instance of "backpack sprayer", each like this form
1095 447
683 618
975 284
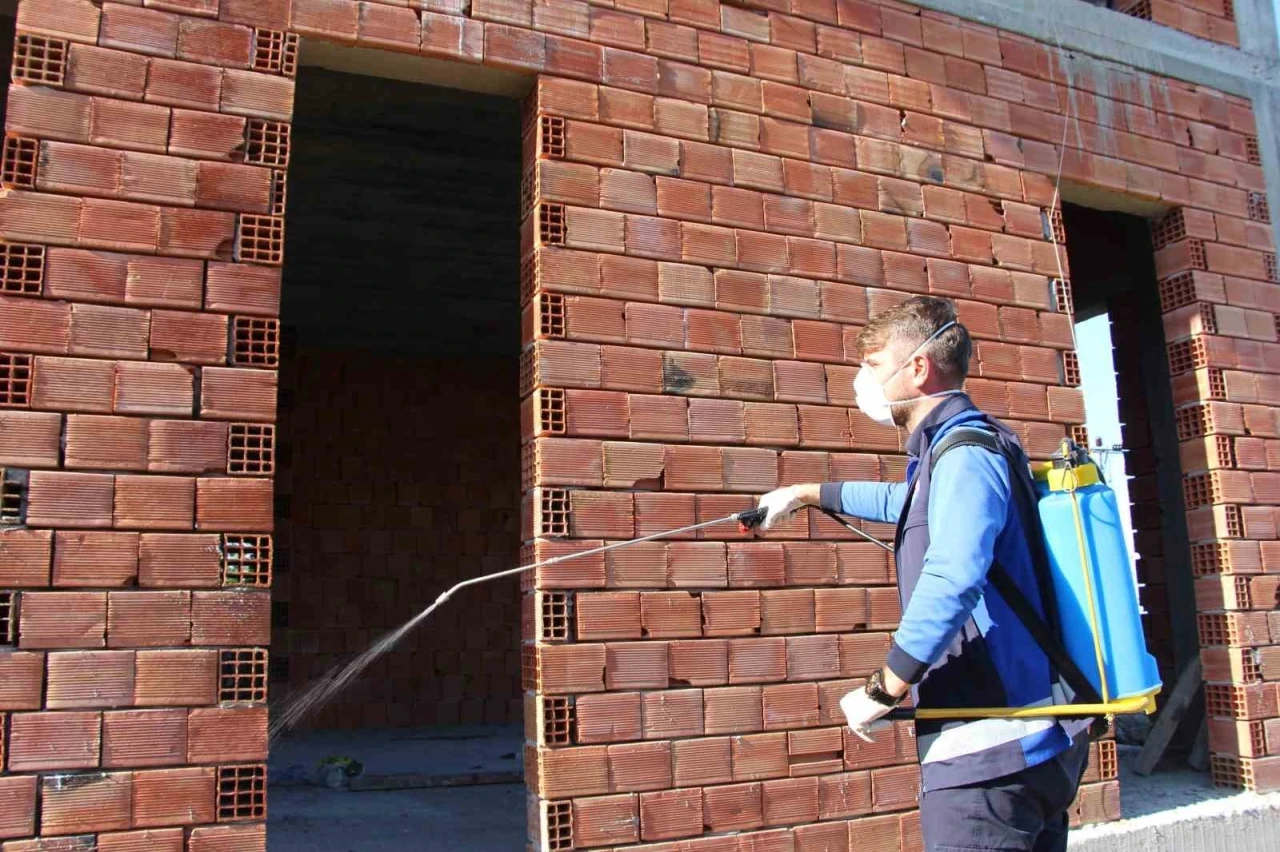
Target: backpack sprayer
1104 660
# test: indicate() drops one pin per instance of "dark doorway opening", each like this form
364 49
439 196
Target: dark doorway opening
399 463
1129 404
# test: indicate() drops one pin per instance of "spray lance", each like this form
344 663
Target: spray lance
319 693
297 707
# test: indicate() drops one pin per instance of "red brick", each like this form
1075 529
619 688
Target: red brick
76 20
162 840
97 803
17 806
184 84
699 663
178 678
185 561
21 680
206 135
215 43
141 30
41 742
188 337
69 499
164 281
234 504
197 233
187 446
108 332
452 37
148 619
228 838
672 713
257 95
154 502
733 807
607 718
670 814
90 679
227 734
73 384
48 114
138 738
231 618
163 797
606 820
125 124
238 394
29 439
114 73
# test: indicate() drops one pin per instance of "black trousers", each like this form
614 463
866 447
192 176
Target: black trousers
1022 812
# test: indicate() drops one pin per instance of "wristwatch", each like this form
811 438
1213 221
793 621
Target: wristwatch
877 693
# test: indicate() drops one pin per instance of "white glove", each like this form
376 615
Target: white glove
863 714
780 505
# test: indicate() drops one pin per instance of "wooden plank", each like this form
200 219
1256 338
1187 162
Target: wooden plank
1170 718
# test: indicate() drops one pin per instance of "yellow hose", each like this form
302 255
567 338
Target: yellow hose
1124 705
1093 607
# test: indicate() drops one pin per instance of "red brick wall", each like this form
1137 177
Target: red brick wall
388 503
1210 19
721 195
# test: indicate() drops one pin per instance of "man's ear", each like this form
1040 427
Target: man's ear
921 370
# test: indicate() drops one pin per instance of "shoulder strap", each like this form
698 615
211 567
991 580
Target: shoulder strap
963 436
1045 636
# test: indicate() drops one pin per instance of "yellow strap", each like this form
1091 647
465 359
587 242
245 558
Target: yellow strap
1088 584
1124 705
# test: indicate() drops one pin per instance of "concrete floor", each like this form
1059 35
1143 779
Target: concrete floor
1172 786
404 757
474 819
432 814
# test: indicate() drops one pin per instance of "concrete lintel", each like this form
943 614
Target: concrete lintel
1088 34
1080 27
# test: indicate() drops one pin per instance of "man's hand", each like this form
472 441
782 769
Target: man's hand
782 503
863 713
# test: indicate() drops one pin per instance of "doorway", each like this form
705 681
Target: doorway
398 465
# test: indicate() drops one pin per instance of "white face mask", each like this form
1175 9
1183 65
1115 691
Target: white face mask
870 394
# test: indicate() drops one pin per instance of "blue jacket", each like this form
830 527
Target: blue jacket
958 643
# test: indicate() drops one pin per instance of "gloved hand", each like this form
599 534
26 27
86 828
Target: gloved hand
780 504
863 714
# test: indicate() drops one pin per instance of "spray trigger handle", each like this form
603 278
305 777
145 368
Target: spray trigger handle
751 518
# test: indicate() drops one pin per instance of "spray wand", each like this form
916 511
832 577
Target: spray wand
297 707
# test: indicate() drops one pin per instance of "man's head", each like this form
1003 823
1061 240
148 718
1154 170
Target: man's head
912 352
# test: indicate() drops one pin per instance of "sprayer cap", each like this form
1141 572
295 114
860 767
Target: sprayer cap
1069 478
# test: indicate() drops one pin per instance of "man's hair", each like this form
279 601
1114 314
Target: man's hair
911 323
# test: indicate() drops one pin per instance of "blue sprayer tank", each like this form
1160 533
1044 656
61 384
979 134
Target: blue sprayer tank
1078 511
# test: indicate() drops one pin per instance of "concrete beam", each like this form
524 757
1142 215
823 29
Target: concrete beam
1106 34
1088 35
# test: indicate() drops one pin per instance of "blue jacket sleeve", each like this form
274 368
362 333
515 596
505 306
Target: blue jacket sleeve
969 500
871 501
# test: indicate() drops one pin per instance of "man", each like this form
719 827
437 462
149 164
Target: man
987 784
